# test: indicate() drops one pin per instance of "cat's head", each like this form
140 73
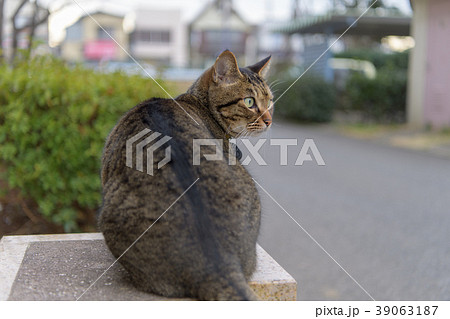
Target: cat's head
240 98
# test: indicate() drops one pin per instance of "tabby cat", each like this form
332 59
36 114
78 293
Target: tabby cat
204 245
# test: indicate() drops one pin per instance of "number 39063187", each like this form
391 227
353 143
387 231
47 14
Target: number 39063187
406 310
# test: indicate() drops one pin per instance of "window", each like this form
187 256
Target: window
222 36
74 32
219 40
102 34
153 36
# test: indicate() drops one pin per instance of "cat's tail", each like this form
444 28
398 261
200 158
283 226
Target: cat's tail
232 286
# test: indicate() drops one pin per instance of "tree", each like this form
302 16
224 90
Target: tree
377 4
2 5
39 16
351 4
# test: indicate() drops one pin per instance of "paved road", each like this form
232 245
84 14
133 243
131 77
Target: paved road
382 213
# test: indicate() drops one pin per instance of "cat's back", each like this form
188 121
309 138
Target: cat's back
177 120
220 187
216 221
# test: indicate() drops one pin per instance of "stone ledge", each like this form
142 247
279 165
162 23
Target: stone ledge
62 267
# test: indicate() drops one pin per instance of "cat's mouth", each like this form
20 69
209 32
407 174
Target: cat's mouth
250 129
255 129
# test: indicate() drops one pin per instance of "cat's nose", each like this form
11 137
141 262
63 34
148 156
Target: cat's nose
267 118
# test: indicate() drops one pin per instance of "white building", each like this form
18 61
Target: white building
159 37
216 28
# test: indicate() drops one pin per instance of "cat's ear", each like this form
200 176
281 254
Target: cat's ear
226 69
262 67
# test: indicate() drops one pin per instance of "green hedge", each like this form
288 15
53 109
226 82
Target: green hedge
382 99
53 123
310 99
380 59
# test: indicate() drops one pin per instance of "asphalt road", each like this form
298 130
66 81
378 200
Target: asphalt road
382 213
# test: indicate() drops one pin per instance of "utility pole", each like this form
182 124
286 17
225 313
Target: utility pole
287 40
2 5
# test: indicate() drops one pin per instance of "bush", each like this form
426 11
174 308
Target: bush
310 99
53 124
380 59
382 99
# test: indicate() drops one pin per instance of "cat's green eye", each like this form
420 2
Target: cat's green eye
249 102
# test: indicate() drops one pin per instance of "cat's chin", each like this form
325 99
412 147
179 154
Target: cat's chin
257 133
252 133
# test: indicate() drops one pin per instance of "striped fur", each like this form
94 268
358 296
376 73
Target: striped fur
204 246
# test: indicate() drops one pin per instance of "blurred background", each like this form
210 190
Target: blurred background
370 86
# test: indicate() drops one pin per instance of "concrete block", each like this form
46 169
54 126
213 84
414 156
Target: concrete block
62 267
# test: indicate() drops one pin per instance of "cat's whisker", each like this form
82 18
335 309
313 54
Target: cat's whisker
272 89
239 134
243 129
275 83
228 130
